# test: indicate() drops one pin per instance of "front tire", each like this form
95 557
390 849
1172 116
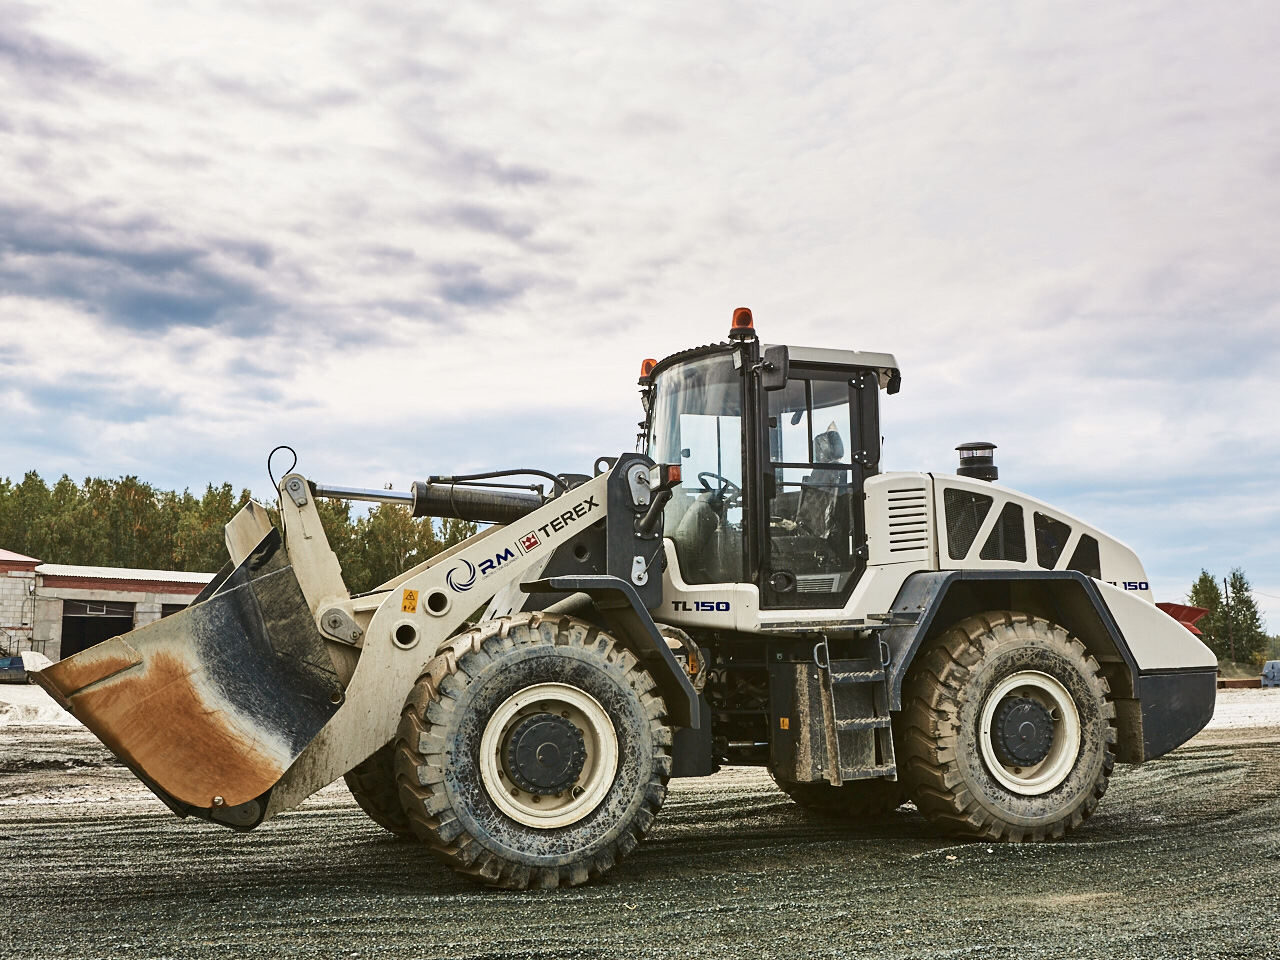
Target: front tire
533 752
373 784
1007 730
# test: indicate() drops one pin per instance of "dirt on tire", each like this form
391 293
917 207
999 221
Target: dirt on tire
938 740
439 750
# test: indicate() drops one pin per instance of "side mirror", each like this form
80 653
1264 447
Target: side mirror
773 368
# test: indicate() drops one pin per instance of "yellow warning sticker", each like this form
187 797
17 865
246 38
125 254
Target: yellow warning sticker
784 723
410 602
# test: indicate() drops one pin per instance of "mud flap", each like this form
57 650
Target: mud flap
210 706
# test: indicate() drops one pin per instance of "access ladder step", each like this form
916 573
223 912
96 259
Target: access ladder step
889 770
857 676
857 670
856 715
863 723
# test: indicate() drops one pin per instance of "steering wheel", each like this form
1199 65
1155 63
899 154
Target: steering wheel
725 491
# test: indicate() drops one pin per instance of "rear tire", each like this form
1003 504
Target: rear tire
1007 730
373 783
855 800
476 730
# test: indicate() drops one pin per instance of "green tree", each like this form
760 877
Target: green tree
135 533
1248 632
26 507
392 541
1206 593
198 541
453 532
129 523
389 540
1273 648
1233 624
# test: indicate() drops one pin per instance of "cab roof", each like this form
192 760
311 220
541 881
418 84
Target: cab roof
885 365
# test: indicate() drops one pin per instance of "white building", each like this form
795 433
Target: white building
60 609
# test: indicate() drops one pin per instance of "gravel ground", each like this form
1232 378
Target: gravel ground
1181 860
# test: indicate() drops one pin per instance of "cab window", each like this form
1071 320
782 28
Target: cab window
811 497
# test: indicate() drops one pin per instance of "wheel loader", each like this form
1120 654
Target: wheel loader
747 589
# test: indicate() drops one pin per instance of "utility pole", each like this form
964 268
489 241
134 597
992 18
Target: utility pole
1231 639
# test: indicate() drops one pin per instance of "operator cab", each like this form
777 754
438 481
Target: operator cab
774 444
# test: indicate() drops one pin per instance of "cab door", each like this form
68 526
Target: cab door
819 439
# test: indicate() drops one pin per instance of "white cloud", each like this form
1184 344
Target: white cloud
418 239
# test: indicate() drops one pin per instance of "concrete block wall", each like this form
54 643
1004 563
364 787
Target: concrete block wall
16 611
47 637
147 610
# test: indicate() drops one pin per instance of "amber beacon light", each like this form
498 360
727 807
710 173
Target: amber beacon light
742 327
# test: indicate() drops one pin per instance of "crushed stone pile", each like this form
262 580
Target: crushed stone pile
26 705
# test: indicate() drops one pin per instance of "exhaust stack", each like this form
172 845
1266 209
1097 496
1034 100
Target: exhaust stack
978 460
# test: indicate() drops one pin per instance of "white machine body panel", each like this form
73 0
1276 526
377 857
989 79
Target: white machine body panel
729 606
907 531
1119 565
1156 640
900 519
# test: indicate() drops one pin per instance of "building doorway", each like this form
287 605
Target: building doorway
85 623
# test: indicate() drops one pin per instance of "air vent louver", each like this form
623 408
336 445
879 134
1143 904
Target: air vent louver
817 583
908 519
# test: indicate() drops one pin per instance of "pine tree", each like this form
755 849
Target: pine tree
1233 628
1247 631
1206 593
198 539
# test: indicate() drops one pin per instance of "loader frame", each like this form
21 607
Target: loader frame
373 646
786 639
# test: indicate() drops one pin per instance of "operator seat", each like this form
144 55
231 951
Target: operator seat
696 543
815 513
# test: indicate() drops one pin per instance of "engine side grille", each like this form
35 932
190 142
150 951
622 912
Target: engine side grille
908 519
900 519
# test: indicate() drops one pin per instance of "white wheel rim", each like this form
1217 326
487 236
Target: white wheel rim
1064 747
598 770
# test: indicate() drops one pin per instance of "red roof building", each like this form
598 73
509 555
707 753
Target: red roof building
60 609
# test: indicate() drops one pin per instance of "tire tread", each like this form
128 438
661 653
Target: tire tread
927 728
373 784
420 774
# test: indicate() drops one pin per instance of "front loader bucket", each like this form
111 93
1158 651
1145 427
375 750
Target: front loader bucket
210 706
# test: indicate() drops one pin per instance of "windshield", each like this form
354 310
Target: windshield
696 421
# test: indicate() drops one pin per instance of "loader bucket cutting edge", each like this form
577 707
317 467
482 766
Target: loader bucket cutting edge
210 706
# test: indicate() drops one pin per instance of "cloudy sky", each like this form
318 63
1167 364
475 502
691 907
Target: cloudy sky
418 238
